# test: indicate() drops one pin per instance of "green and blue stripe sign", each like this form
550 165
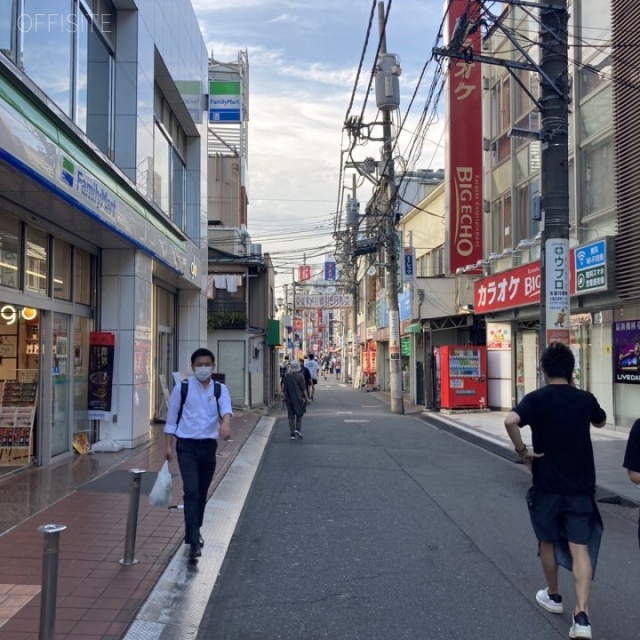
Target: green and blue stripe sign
225 101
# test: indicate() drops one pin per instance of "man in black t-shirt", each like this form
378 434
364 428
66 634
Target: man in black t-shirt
561 500
632 454
632 458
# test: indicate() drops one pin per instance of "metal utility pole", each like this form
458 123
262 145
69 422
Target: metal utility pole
388 99
555 311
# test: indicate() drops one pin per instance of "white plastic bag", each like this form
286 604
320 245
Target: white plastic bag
160 495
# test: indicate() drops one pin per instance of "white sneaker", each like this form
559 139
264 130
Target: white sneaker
553 604
580 627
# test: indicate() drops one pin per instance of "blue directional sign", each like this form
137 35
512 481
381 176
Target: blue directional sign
409 265
591 266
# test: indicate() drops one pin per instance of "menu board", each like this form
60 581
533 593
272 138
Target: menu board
17 414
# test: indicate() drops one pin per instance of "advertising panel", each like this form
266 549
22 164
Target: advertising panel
498 335
626 356
465 146
591 267
101 357
557 283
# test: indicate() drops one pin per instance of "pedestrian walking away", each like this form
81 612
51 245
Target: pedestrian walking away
632 458
314 368
307 378
295 397
325 366
199 412
338 368
561 500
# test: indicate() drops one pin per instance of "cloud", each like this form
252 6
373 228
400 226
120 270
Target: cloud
285 17
300 84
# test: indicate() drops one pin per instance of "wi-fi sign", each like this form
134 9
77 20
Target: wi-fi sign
581 255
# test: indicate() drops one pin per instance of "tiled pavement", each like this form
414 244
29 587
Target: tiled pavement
97 597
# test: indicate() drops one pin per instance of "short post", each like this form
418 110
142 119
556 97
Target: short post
48 595
132 518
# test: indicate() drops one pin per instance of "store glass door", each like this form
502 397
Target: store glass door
60 407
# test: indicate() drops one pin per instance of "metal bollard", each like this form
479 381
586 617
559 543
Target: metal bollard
49 592
132 518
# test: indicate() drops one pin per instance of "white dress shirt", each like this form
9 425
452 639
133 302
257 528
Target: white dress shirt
200 412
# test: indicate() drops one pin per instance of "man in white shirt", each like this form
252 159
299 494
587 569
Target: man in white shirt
195 427
313 367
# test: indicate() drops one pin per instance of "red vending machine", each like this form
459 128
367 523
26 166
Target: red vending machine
463 377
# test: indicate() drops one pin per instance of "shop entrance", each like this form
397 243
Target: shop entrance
19 384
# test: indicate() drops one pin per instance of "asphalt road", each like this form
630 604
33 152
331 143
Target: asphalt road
382 527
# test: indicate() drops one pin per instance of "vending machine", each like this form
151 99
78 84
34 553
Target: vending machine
463 377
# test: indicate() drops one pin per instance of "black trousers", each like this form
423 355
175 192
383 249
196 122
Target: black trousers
197 462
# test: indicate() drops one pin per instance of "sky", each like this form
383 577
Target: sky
303 60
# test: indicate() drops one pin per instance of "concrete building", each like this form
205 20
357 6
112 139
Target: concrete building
604 227
241 330
103 242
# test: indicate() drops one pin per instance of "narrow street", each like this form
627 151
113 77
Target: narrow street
384 527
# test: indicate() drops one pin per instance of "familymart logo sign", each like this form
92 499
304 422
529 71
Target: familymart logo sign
91 190
225 101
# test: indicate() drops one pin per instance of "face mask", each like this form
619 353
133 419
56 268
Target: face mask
203 373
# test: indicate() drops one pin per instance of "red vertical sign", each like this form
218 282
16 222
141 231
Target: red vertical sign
464 171
304 272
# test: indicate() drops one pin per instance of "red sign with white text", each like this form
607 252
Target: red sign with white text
514 288
304 273
464 171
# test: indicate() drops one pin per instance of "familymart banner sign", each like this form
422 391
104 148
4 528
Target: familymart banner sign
225 101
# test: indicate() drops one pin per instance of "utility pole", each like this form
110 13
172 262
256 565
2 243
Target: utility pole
388 99
555 311
352 219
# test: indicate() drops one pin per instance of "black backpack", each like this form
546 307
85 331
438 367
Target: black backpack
184 389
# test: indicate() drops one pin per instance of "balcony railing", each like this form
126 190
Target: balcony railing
223 314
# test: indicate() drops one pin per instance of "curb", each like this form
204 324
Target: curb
603 495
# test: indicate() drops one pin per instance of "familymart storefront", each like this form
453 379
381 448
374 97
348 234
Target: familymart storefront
89 273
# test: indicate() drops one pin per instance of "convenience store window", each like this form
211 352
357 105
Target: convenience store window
9 251
37 271
61 269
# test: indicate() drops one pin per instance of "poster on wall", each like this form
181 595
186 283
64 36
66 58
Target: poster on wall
101 355
498 335
626 351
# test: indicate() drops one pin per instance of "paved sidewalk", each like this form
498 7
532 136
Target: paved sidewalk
97 597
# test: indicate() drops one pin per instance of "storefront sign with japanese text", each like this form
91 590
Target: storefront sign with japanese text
465 143
513 288
101 357
324 301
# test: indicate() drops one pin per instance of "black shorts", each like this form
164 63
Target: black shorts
555 516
